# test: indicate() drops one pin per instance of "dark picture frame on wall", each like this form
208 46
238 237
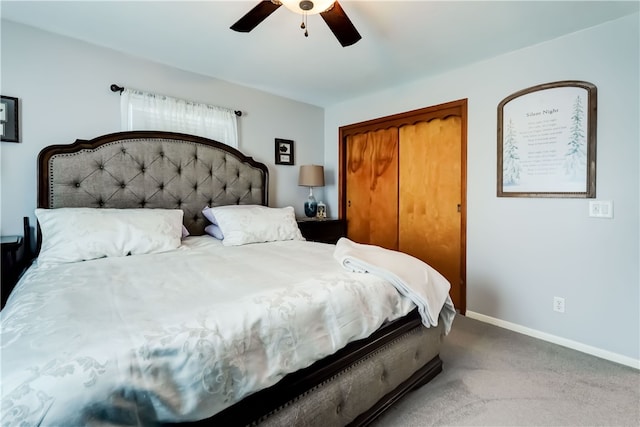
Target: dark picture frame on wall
547 141
284 152
9 119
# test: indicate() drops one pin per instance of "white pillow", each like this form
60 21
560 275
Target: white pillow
208 212
242 224
77 234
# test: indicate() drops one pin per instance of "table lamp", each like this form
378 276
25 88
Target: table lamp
311 176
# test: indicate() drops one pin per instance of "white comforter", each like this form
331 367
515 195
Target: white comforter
180 335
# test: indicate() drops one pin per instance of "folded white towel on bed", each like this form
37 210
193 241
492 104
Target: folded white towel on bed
413 278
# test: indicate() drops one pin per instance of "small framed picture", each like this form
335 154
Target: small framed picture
322 211
9 126
284 152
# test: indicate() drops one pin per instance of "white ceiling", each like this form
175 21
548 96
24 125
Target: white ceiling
401 40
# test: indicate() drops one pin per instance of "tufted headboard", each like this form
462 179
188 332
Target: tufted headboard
150 169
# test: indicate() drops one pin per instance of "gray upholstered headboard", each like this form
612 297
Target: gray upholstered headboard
150 169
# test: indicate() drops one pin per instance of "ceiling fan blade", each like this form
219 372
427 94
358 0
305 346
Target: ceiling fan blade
255 16
341 25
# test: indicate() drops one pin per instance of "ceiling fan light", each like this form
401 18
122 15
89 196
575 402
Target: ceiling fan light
302 7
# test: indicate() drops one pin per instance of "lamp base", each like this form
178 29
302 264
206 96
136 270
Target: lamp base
311 207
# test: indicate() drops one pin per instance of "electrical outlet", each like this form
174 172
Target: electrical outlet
558 304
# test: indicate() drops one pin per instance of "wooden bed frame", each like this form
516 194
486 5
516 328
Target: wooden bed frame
143 169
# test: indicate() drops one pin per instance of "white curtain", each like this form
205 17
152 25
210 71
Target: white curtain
148 111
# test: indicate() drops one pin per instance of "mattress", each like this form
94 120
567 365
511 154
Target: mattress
180 335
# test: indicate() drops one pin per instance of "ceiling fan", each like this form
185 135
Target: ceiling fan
329 10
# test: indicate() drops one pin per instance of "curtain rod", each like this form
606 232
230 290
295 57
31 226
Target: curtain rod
116 88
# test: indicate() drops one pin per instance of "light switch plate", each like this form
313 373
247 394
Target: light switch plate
601 208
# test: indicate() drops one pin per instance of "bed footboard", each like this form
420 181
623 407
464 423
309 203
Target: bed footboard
360 393
352 387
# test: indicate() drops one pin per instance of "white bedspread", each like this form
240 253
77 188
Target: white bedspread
413 278
179 335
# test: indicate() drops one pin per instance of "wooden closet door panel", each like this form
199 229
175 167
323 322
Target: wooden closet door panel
372 188
430 193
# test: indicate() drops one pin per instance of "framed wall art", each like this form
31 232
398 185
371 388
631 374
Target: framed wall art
9 119
547 141
284 152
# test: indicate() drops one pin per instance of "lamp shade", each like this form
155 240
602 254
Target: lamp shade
311 176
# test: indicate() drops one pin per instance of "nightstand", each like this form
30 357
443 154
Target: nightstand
322 230
16 255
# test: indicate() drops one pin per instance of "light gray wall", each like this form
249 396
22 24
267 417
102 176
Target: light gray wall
63 86
521 252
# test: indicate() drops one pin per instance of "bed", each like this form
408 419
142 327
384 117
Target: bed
142 328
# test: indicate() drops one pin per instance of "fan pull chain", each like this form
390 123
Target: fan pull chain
304 24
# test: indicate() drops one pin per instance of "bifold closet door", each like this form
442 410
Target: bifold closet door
372 188
430 196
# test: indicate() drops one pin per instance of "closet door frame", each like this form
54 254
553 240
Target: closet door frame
440 111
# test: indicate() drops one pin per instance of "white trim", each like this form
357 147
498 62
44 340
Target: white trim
594 351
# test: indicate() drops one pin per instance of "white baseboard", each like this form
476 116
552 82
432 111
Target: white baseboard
594 351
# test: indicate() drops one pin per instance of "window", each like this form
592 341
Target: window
149 111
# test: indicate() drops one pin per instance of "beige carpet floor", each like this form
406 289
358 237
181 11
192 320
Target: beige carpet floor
496 377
